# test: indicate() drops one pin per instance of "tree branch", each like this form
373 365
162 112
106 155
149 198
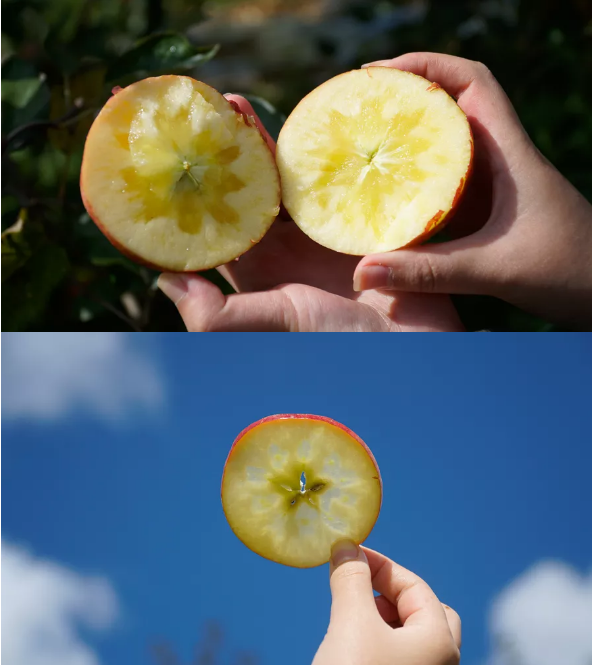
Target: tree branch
72 116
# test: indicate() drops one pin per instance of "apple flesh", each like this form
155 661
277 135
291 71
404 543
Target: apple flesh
374 160
295 484
176 178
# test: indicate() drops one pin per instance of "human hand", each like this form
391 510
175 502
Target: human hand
523 232
405 625
287 282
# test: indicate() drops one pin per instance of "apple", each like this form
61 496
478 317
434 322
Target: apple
374 160
176 178
294 484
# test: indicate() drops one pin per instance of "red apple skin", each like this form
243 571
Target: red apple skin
441 218
124 250
302 416
118 246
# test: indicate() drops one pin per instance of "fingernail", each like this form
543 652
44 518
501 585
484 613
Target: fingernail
378 63
372 277
342 551
173 286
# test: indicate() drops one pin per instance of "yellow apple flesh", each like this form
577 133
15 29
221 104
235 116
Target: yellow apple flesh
295 484
374 160
175 178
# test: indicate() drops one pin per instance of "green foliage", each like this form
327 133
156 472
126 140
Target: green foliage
165 53
25 93
34 265
61 58
60 62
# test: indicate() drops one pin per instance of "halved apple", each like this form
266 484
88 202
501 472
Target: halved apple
374 160
295 484
175 178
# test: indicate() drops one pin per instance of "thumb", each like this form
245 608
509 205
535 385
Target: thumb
204 308
450 267
351 583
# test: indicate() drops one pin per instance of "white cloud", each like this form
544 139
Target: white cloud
544 617
44 604
49 375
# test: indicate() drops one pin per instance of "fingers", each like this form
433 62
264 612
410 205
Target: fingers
244 107
405 600
503 154
452 267
454 624
415 602
390 615
454 74
388 612
204 307
351 584
479 95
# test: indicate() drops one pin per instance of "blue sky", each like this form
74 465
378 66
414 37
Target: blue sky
114 447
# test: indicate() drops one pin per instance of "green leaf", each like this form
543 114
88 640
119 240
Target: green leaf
271 118
85 88
7 46
25 94
26 296
89 46
159 54
16 69
36 108
20 93
64 16
95 247
16 249
10 210
32 266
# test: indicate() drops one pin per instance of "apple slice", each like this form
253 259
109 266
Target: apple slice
295 484
175 178
374 160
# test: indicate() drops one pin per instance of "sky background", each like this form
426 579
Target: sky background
114 445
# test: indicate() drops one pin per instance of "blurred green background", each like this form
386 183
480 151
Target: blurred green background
61 58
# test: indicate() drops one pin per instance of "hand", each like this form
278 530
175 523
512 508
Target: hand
287 282
530 231
405 625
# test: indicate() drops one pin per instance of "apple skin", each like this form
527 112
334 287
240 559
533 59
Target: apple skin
301 416
118 246
441 218
127 252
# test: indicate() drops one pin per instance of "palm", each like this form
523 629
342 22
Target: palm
319 287
287 255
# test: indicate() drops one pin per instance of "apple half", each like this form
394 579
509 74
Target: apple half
176 178
295 484
374 160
